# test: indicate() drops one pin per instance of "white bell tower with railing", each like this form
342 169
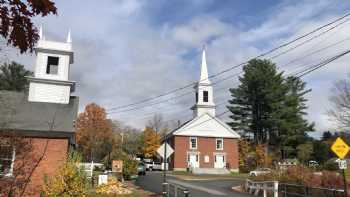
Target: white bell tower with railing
51 83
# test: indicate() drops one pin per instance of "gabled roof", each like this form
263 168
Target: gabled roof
206 126
17 113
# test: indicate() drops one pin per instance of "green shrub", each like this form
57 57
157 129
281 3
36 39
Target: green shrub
129 167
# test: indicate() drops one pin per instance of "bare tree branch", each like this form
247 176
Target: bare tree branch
340 99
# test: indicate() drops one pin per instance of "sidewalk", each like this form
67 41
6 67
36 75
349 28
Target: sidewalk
206 177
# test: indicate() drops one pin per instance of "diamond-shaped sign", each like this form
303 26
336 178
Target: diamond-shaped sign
161 150
340 148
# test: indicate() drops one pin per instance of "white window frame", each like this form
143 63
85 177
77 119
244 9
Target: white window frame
10 173
58 63
206 101
222 143
195 138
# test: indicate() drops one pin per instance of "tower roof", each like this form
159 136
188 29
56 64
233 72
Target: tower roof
204 70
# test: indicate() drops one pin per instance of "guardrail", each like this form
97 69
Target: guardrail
293 190
173 190
254 187
289 190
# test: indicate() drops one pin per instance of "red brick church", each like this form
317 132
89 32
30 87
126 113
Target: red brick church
204 144
36 127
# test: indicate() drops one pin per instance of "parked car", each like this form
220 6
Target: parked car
260 171
159 166
151 165
148 164
141 169
313 164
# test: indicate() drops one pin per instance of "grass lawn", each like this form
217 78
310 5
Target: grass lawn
239 175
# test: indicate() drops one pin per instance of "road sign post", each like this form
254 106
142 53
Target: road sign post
341 149
165 153
164 171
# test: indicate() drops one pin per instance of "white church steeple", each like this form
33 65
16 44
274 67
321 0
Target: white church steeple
204 70
204 92
50 83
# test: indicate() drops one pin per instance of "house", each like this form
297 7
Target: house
36 127
205 144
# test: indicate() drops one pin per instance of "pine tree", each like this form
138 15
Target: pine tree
13 77
293 126
256 99
269 106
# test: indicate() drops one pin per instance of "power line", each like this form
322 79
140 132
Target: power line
176 111
217 82
301 74
322 64
233 67
172 98
308 40
237 74
317 51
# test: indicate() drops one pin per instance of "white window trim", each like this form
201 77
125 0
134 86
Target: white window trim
191 138
10 173
207 96
222 144
47 61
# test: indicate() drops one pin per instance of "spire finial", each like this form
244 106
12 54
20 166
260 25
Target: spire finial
204 69
69 39
41 37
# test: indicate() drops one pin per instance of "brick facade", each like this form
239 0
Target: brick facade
206 146
45 162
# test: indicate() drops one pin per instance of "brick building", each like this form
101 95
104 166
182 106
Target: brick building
36 127
205 144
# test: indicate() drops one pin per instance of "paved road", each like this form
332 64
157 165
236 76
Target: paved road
203 188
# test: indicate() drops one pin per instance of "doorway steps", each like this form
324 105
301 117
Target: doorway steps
210 171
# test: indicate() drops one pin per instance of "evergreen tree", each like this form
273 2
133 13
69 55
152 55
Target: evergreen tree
12 77
256 99
270 106
321 151
326 135
292 125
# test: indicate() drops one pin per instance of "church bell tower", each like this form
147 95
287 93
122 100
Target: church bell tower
50 83
204 92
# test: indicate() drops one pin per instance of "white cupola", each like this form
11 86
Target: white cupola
50 83
204 92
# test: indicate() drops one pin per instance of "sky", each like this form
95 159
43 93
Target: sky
129 50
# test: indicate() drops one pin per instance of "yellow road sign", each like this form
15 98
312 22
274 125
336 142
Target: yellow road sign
340 148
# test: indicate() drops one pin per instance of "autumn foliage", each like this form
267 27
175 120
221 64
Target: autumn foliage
302 175
244 149
16 21
94 133
151 142
260 152
69 181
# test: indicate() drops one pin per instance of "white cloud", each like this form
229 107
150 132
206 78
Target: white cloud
122 57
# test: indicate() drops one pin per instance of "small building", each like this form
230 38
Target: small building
204 144
37 126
